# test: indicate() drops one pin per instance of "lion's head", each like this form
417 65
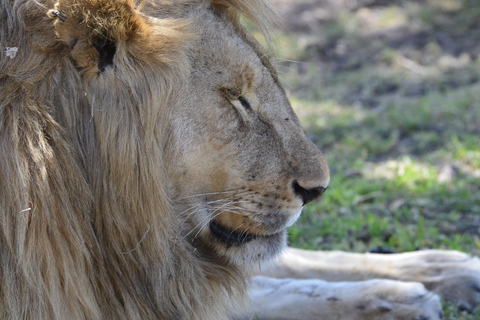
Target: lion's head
149 157
242 166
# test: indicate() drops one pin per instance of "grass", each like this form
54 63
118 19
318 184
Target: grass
395 109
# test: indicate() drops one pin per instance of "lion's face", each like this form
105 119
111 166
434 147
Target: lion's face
243 168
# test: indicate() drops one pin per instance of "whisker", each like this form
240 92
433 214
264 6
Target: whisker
192 209
234 230
208 194
205 221
217 207
196 206
224 208
244 213
244 232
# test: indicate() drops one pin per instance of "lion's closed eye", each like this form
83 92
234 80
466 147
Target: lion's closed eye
242 98
244 106
245 103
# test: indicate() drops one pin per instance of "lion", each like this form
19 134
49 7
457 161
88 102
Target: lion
151 162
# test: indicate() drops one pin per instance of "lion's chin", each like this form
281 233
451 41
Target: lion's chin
242 248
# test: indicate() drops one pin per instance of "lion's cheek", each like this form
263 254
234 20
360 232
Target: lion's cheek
207 167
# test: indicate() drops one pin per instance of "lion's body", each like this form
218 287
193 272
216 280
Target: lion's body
91 123
149 160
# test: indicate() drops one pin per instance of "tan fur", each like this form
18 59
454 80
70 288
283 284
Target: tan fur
106 172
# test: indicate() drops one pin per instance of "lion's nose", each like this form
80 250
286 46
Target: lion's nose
307 195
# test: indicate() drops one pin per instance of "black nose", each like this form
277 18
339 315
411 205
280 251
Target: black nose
307 195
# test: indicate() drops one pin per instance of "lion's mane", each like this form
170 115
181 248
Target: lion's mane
85 232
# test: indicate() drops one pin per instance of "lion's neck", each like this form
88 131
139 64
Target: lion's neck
149 266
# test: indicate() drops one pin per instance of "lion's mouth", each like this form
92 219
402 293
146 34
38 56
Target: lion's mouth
228 236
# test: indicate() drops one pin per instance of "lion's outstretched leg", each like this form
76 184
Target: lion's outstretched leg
317 299
453 275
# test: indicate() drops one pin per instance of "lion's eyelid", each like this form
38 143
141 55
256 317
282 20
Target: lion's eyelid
245 103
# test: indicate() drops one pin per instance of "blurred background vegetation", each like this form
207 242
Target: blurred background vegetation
389 90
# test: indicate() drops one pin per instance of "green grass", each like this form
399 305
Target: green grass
399 125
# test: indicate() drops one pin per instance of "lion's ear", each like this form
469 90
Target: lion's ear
260 12
94 28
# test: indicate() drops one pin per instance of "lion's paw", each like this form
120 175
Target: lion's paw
453 275
388 299
318 299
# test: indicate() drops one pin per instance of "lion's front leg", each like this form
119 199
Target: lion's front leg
317 299
453 275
